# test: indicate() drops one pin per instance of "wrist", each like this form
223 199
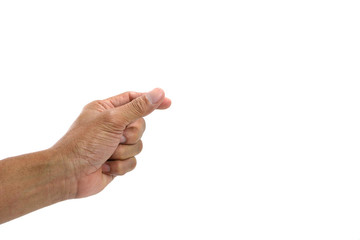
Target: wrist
62 175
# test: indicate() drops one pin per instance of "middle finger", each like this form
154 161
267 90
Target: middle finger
127 151
134 131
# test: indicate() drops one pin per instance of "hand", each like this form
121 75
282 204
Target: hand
103 141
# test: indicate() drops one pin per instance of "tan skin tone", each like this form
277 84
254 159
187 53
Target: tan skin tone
101 144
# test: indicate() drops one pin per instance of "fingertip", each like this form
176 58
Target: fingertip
123 139
169 102
106 168
155 96
165 104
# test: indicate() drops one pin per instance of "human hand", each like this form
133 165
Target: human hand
104 139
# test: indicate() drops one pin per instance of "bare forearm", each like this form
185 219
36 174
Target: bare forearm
32 181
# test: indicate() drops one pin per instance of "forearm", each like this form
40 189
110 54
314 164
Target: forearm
32 181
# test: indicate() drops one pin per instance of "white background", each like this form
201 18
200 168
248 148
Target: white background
261 142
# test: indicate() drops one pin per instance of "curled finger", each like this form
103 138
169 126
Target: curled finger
119 167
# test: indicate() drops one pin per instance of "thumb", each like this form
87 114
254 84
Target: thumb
140 107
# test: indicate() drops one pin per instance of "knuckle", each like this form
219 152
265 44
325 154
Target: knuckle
109 117
144 123
140 146
92 104
110 122
141 124
138 106
132 163
120 151
136 133
119 169
132 135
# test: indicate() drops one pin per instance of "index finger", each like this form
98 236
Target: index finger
124 98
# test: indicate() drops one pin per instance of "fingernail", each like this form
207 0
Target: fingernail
155 95
122 139
106 168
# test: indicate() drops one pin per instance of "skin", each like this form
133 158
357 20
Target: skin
101 144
